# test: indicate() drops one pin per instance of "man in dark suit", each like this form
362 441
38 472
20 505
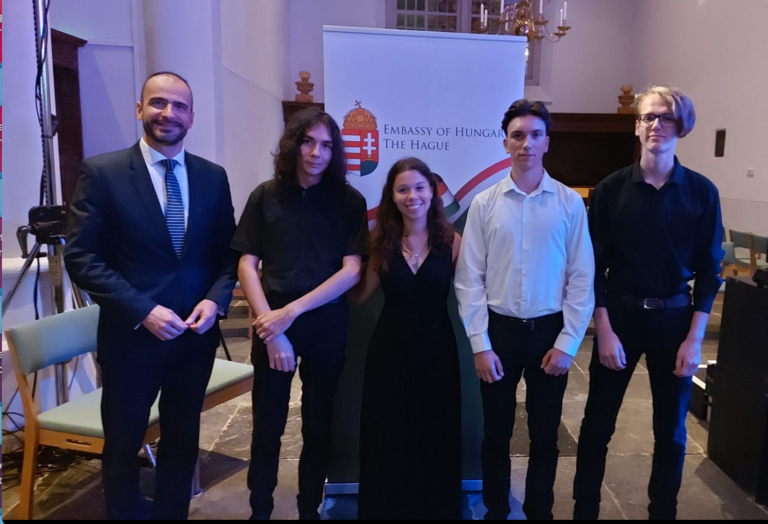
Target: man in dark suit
148 239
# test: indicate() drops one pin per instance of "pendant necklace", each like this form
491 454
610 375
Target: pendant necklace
415 255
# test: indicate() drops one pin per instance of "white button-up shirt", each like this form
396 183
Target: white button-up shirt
157 173
525 256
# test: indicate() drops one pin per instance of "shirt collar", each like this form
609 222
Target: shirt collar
677 176
546 185
152 156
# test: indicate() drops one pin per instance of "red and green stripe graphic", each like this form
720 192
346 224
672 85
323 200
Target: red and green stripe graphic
456 206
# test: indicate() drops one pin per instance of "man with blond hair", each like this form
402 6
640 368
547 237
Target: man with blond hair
655 226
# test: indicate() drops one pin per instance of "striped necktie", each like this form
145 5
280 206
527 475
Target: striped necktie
174 206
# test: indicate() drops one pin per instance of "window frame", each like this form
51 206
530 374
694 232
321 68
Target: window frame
463 25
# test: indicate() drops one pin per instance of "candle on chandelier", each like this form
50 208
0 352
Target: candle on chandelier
502 7
561 17
565 10
541 8
482 15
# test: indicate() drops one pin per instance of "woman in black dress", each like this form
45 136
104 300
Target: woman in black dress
410 434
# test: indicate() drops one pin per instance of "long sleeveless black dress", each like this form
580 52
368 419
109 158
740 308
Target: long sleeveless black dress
410 434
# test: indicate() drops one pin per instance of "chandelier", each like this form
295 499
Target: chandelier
526 18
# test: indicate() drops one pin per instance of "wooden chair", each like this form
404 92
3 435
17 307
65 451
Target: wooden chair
729 260
239 294
585 193
758 252
742 240
77 424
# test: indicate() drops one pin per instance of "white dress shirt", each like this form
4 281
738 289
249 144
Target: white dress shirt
525 256
157 173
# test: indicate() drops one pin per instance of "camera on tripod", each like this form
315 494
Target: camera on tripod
47 223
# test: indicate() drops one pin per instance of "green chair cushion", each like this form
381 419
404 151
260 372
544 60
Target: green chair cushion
226 373
729 256
82 416
55 339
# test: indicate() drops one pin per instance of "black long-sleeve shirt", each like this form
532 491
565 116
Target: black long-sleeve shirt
653 242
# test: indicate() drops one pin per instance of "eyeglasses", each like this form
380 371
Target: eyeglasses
667 119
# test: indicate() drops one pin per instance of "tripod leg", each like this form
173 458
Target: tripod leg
56 275
79 297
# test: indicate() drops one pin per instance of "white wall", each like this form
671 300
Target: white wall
22 158
584 71
238 77
234 54
107 69
254 57
22 147
107 98
107 65
685 43
307 18
180 37
99 22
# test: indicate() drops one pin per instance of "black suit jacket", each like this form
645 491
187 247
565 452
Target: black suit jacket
120 252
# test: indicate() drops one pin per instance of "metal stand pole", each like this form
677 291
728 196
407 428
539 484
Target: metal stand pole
55 269
54 250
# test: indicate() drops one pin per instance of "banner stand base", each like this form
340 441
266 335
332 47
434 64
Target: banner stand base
351 488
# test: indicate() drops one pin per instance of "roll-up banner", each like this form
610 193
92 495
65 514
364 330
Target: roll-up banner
439 97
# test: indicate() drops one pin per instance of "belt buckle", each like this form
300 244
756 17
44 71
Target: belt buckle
530 324
653 303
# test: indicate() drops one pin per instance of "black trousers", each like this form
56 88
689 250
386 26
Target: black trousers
132 376
521 351
319 340
657 333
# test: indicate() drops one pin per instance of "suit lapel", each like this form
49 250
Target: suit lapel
143 184
196 181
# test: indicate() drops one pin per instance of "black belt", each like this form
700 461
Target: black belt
529 324
681 300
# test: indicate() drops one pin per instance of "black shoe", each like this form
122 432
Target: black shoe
309 515
583 511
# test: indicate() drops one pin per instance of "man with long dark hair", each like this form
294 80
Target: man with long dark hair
309 230
524 285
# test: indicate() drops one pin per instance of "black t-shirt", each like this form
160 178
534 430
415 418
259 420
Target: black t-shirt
301 235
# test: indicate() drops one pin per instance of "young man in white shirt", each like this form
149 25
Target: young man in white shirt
524 282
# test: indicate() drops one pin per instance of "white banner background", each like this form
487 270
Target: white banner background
453 87
439 97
